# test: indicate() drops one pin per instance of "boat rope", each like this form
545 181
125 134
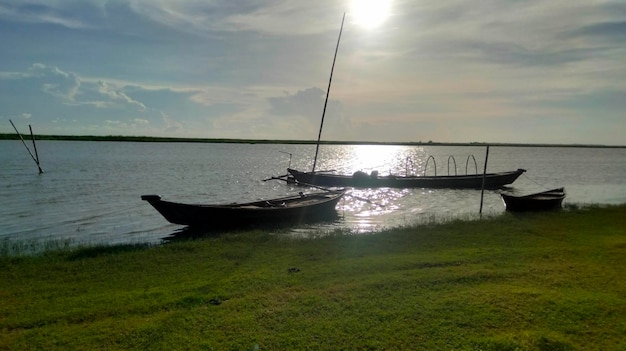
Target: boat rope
534 181
285 179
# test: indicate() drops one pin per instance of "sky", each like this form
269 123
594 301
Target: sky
501 71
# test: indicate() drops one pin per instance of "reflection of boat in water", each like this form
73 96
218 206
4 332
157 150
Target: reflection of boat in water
541 201
297 208
364 180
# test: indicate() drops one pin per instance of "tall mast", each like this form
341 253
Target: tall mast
319 136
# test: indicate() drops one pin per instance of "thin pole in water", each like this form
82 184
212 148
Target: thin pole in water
32 136
23 142
319 136
482 188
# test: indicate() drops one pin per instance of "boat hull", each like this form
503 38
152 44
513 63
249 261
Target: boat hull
491 180
298 208
543 201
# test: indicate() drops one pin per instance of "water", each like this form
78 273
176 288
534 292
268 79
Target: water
90 191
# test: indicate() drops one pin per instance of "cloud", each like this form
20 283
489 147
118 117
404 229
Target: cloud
50 95
140 121
520 33
55 82
307 103
192 16
603 30
304 109
69 89
118 96
73 90
202 17
171 126
72 15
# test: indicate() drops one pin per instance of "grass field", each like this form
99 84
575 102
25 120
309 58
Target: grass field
548 281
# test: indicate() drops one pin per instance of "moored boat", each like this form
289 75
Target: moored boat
297 208
373 180
363 180
541 201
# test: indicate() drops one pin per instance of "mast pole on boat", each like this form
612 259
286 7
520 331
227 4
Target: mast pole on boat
319 136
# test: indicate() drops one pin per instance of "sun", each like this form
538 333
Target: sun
369 13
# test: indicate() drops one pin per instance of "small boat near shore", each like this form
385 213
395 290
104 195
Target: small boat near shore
300 208
541 201
363 180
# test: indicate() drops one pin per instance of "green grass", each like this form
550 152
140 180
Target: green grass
548 281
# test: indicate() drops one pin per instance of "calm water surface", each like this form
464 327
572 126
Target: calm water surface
90 191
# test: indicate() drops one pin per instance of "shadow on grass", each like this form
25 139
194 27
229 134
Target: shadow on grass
195 233
104 250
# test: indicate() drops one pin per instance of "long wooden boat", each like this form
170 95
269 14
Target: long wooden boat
541 201
363 180
297 208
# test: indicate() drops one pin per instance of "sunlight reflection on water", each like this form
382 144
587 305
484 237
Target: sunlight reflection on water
386 159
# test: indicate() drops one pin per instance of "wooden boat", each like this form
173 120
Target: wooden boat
297 208
363 180
541 201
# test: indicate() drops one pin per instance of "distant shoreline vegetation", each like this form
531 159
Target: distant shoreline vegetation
13 136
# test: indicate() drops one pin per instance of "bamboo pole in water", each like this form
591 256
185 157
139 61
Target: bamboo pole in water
36 159
32 136
482 188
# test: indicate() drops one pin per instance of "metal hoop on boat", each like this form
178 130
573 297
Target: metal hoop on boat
475 164
426 166
451 157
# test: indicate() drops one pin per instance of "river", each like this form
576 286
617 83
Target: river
90 191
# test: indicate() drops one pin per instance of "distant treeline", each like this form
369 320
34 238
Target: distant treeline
13 136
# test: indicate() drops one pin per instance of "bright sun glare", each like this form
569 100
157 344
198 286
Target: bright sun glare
369 13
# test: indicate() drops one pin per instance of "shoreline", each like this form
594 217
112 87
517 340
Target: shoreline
120 138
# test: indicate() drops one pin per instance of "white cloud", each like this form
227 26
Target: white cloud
45 12
139 121
267 17
171 126
73 90
118 96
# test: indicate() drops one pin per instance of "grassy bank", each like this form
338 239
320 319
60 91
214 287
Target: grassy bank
537 282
